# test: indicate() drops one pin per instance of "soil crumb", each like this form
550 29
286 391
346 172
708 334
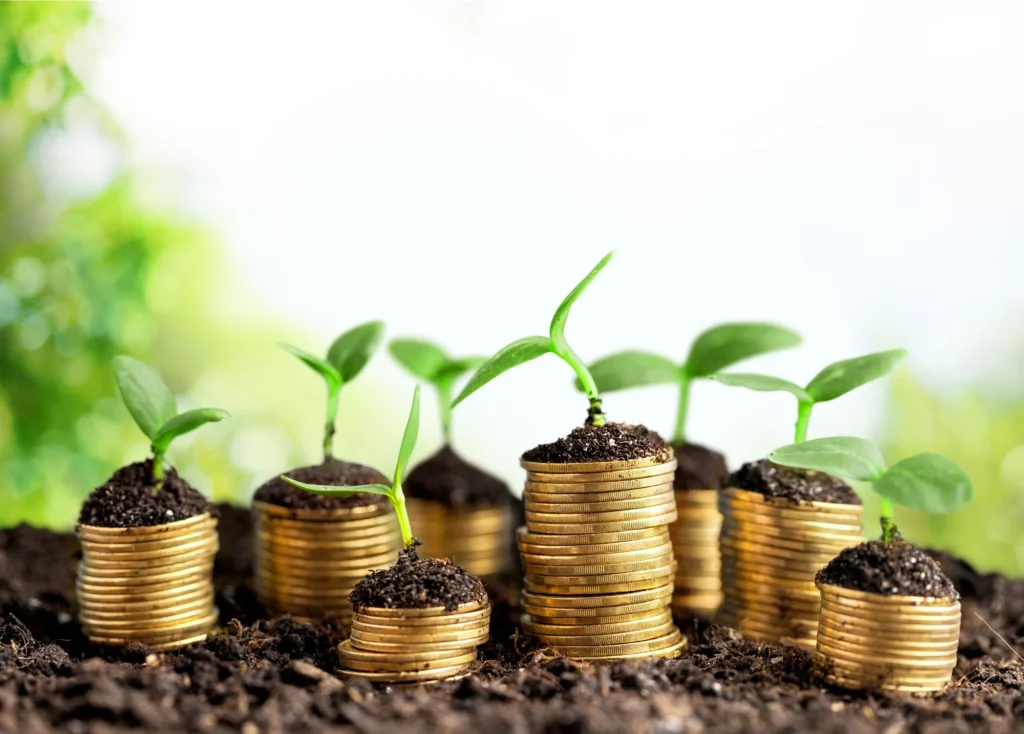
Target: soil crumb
128 499
417 583
334 472
699 467
798 485
610 442
452 481
888 569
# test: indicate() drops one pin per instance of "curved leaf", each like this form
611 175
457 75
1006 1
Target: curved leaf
353 349
841 377
562 312
761 383
458 367
516 353
632 369
927 482
188 421
322 368
725 345
422 358
148 399
847 457
331 490
412 431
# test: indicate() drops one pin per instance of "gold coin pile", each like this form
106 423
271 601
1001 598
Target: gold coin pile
414 645
151 584
598 558
477 539
694 536
895 643
308 561
771 550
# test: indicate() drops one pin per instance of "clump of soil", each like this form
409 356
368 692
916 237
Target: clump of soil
417 583
888 569
798 485
128 499
699 467
452 481
334 472
610 442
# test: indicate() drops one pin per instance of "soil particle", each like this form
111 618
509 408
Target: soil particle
333 472
417 583
888 569
699 467
798 485
449 479
610 442
128 499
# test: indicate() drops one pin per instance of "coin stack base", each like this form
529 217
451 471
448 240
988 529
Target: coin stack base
772 548
698 586
151 585
308 561
895 643
475 538
414 645
598 560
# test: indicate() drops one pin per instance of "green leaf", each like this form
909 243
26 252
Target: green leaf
330 490
353 349
761 383
188 421
632 369
847 457
148 399
458 367
841 377
513 355
424 359
725 345
562 312
412 430
323 368
927 482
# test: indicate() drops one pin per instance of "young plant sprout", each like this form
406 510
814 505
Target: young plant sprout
715 349
926 482
345 359
394 493
430 362
832 382
155 410
530 347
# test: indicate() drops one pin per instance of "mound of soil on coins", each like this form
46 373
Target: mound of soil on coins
698 467
417 583
798 485
610 442
888 569
130 499
335 472
450 480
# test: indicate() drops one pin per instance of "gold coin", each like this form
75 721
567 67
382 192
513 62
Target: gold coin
319 515
122 586
784 546
852 516
887 634
591 508
698 604
160 647
173 545
866 645
387 663
617 571
601 589
745 550
658 510
465 639
574 495
789 625
599 467
702 583
326 566
97 567
553 579
599 528
418 676
424 611
595 615
195 614
878 658
103 595
912 615
839 530
885 627
105 604
697 497
884 672
525 537
794 572
670 651
601 550
602 627
346 549
308 596
446 627
148 532
348 652
754 533
456 618
826 507
897 600
549 559
767 578
612 623
637 596
168 611
739 585
389 647
613 651
383 533
619 638
158 634
594 481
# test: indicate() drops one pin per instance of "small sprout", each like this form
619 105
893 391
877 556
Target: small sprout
345 359
715 349
155 410
835 380
431 363
531 347
926 482
394 493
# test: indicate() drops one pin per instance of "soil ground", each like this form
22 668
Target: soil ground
260 676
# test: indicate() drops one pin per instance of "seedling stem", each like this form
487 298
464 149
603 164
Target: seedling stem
685 381
803 417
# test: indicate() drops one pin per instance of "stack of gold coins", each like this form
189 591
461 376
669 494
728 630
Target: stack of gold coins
772 548
308 561
152 585
694 536
598 558
475 538
414 645
895 643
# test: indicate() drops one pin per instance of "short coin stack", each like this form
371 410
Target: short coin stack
772 548
896 643
475 538
414 645
598 559
152 584
308 561
694 536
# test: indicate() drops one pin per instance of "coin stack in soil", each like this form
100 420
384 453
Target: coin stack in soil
477 539
151 584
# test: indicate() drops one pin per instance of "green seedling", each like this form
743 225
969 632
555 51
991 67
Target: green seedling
717 348
155 410
345 359
832 382
927 482
394 493
531 347
430 362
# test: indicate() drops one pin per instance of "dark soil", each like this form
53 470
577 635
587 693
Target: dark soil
416 583
798 485
452 481
699 467
889 569
334 472
128 499
610 442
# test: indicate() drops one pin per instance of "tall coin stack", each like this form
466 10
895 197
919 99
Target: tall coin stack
694 535
152 585
308 561
414 645
598 558
772 548
475 538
